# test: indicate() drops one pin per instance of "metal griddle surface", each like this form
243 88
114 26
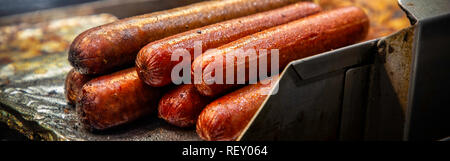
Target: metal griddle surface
32 75
32 100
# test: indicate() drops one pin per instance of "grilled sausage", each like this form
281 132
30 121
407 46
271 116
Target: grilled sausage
154 63
111 46
182 105
298 39
226 117
73 84
115 99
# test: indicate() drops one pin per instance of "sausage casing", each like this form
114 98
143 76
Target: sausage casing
115 99
298 39
225 118
73 84
154 63
182 105
105 48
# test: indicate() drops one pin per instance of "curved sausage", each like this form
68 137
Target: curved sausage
298 39
225 118
111 46
115 99
154 63
182 105
73 84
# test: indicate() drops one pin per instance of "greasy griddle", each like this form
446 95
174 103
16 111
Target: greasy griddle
32 100
33 67
32 79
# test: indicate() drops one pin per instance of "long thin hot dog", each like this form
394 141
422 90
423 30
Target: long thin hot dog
298 39
154 63
110 46
116 99
226 117
182 105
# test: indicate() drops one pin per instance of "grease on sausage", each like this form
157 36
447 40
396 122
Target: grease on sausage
225 118
154 63
182 105
298 39
111 46
116 99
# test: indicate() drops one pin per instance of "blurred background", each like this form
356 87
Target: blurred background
35 36
11 7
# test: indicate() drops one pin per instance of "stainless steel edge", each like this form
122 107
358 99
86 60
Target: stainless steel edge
427 115
334 60
307 106
422 9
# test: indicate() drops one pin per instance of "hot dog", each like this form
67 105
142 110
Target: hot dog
154 63
73 84
298 39
116 99
225 118
110 46
182 105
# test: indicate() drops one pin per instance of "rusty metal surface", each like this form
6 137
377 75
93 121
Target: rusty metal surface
118 8
389 86
32 72
427 114
29 40
396 54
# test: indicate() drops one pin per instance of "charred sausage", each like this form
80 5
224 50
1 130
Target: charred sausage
73 84
115 99
298 39
182 105
105 48
154 63
225 118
